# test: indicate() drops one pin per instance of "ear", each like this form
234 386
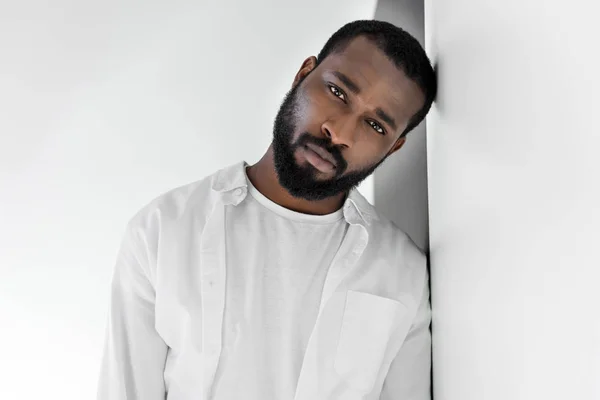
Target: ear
399 143
307 66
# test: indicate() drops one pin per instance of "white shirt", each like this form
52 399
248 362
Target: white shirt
169 335
277 261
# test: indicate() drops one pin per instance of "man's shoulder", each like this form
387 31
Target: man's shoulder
403 262
183 201
386 233
400 242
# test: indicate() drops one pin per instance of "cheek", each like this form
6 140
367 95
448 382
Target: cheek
364 155
313 106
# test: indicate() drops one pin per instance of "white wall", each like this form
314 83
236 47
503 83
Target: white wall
103 106
514 199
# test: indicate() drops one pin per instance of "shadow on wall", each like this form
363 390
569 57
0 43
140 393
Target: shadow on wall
400 183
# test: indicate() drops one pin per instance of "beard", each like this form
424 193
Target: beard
301 180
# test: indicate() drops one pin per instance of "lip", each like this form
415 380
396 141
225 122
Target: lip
317 161
324 154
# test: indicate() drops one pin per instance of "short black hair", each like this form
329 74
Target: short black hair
400 47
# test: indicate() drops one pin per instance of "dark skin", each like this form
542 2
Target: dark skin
329 108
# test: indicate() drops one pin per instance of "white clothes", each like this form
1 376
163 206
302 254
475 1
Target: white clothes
277 261
170 334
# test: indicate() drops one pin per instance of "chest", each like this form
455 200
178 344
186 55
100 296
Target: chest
353 331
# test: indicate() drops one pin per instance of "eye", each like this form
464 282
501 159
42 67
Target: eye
337 92
377 127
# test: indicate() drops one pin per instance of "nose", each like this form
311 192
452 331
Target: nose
341 131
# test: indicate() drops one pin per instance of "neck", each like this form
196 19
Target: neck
264 178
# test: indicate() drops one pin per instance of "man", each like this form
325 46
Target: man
279 280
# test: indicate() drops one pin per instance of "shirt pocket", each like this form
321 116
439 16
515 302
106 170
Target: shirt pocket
367 324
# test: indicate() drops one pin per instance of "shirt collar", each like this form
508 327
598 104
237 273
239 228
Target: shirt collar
231 183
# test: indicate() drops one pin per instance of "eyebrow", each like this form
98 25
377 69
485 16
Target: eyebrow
356 90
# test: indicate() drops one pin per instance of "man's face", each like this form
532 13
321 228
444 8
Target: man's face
341 120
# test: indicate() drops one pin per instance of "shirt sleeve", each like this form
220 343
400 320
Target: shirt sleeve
134 354
409 376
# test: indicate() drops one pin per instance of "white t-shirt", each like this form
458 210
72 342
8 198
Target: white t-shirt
277 260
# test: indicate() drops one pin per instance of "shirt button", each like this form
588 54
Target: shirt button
238 192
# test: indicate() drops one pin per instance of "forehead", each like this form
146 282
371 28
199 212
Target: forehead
379 79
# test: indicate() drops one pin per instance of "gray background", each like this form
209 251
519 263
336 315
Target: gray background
400 184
